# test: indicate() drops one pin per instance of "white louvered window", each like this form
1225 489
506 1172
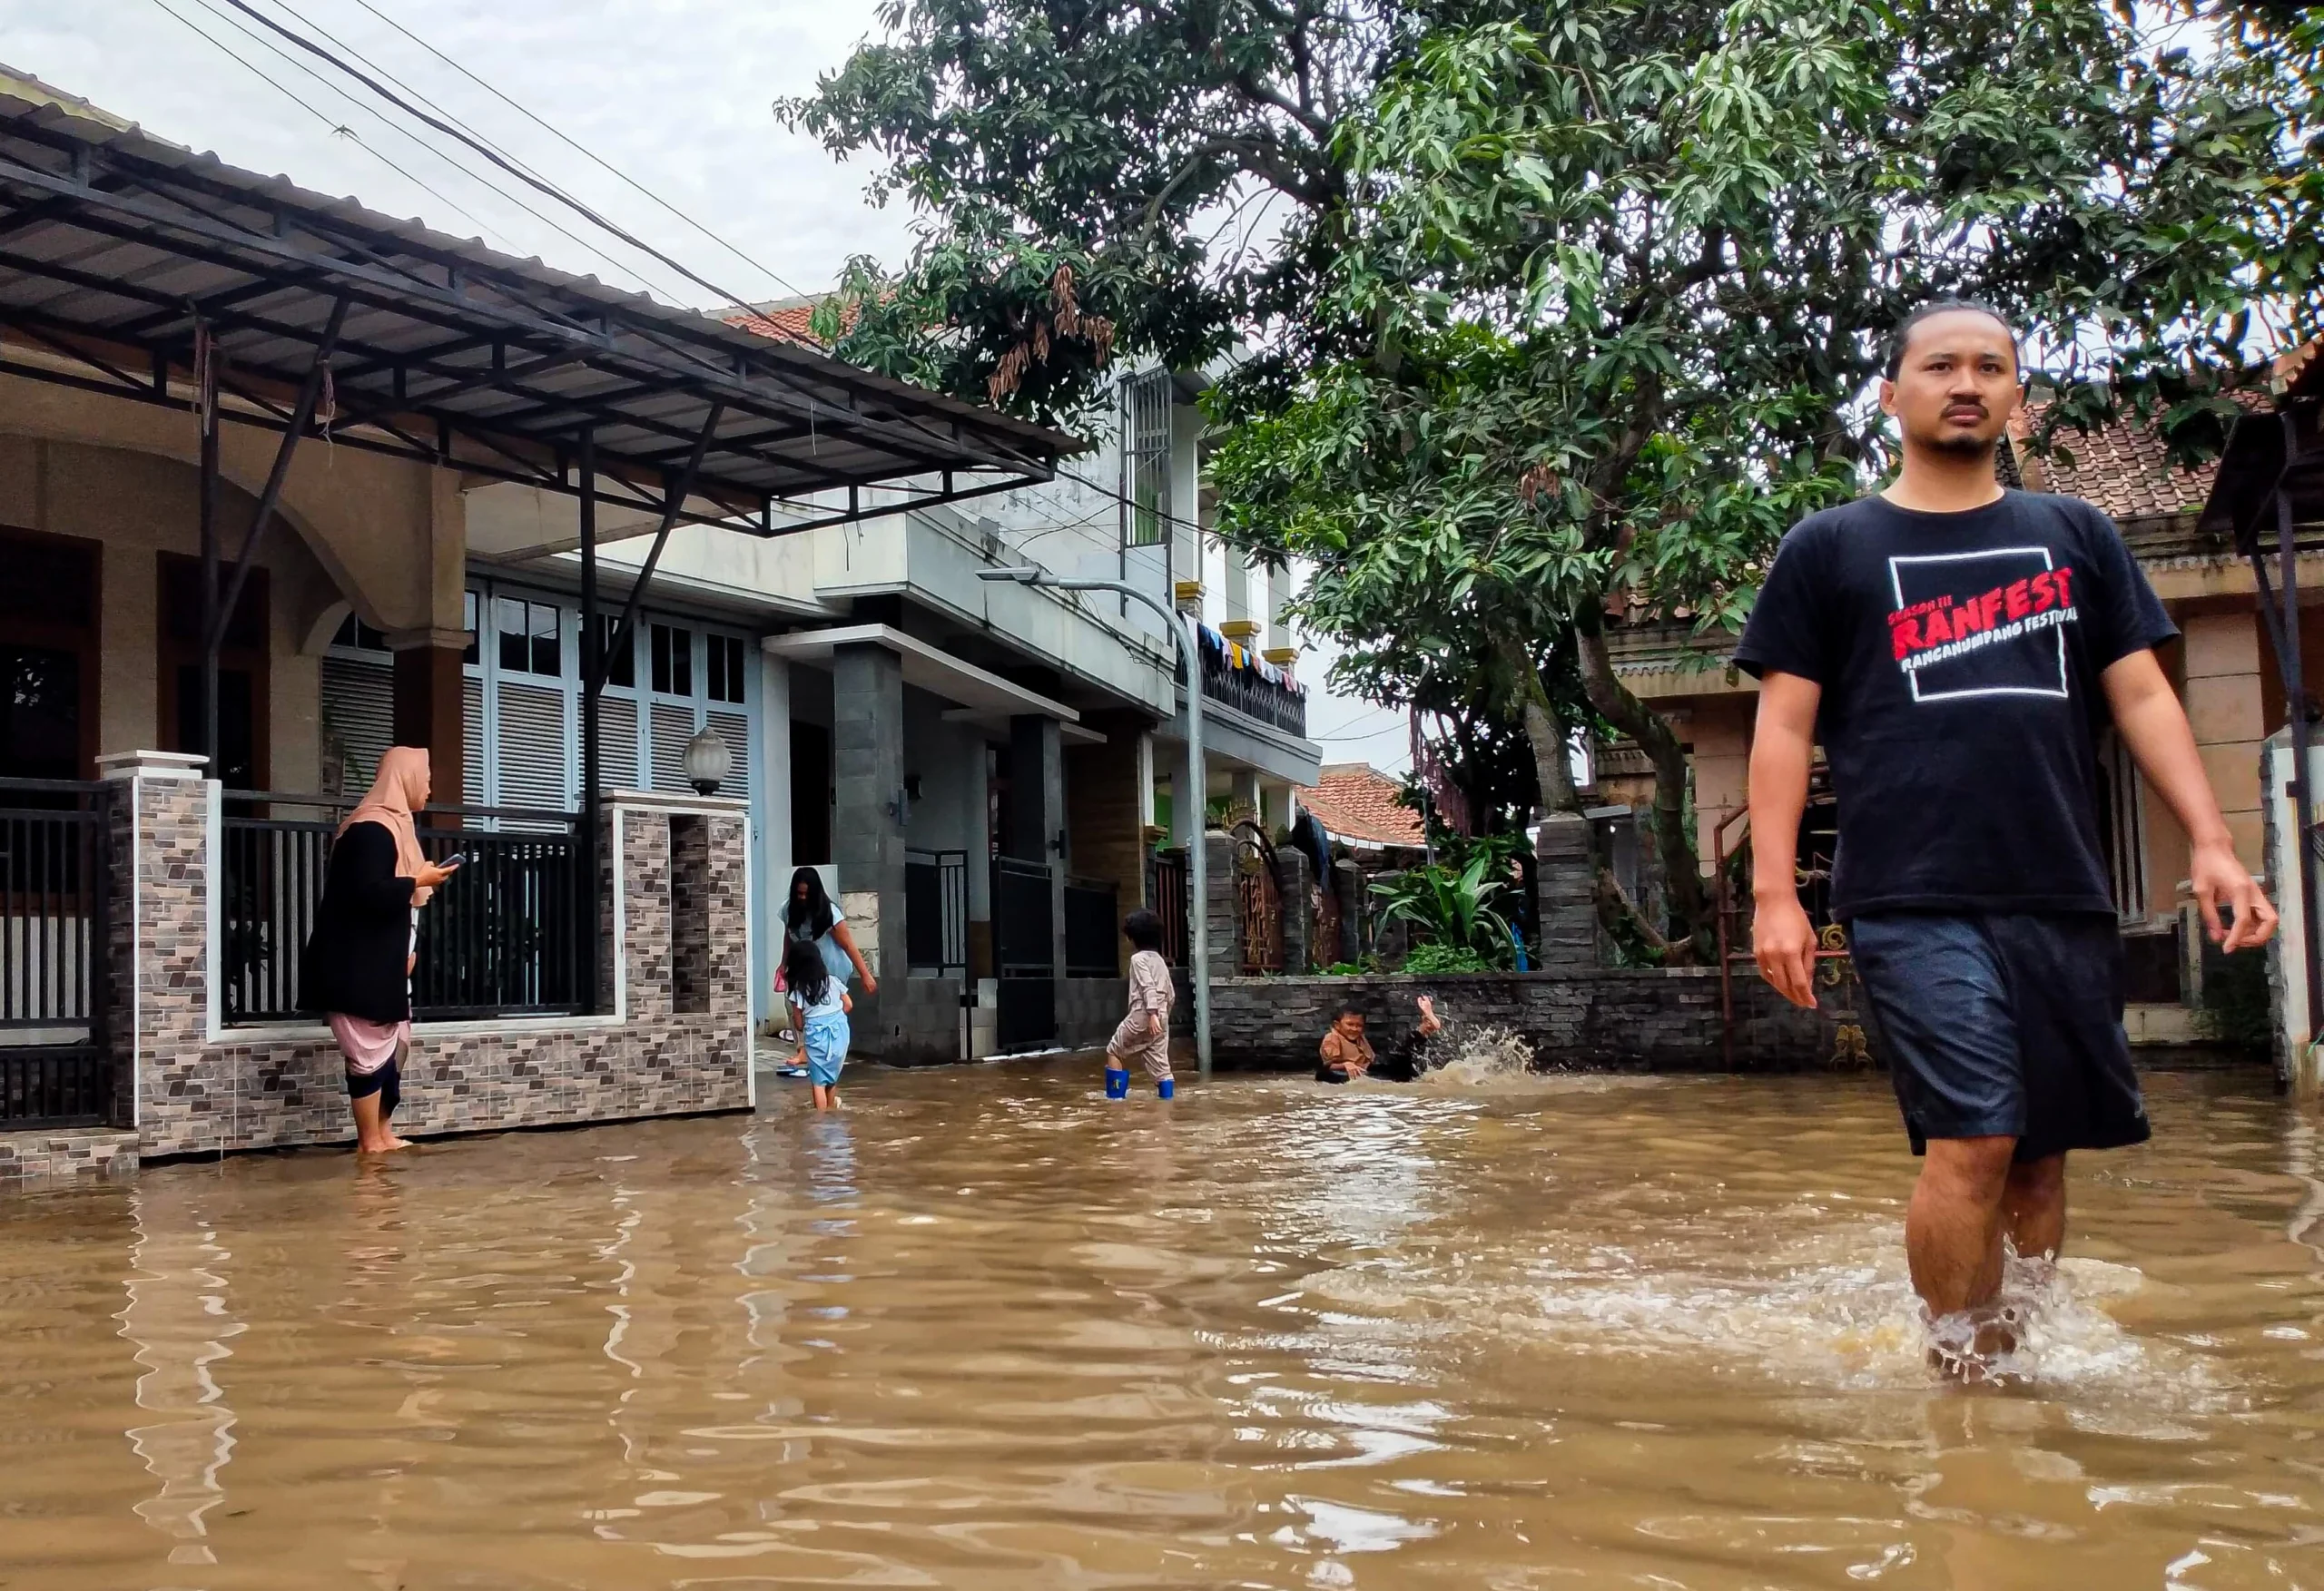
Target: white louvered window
525 694
473 775
673 728
734 728
358 715
618 743
529 749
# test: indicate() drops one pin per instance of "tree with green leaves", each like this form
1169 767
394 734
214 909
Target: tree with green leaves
1558 307
1630 267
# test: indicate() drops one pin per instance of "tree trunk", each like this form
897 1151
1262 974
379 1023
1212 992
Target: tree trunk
1552 751
1612 699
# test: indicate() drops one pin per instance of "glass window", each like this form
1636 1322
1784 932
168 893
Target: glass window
673 661
621 666
531 636
1146 458
546 658
724 655
355 633
470 603
509 621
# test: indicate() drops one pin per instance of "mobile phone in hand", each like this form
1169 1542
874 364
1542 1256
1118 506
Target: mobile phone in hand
454 860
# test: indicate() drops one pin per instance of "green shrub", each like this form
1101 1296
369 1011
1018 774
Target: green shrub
1441 957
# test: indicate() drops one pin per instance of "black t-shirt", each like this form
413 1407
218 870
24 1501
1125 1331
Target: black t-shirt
1959 656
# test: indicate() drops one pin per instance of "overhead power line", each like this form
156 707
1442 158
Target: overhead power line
449 130
338 128
558 134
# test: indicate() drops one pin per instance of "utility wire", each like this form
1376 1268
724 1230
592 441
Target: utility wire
488 153
620 268
337 128
776 276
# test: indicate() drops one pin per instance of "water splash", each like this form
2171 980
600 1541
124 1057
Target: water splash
1481 1056
1831 1309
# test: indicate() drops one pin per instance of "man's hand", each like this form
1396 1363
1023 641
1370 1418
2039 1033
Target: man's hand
2218 878
1784 942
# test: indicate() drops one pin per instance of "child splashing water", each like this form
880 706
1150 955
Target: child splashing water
819 1010
1144 1033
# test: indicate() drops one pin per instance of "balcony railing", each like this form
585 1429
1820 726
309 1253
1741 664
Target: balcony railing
509 934
1253 695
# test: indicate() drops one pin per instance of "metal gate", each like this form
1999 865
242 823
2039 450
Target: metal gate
1024 955
55 1065
1258 903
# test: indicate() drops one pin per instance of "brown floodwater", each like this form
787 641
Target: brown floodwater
985 1330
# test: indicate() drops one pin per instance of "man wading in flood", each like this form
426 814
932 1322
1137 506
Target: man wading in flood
1958 647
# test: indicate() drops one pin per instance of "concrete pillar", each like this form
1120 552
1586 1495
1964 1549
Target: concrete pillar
770 814
867 829
1347 883
1105 818
1566 888
1225 922
2224 706
1721 744
1037 811
1294 879
428 708
1242 793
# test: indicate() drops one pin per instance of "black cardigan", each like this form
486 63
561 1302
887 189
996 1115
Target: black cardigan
355 959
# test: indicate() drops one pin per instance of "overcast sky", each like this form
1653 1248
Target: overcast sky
676 94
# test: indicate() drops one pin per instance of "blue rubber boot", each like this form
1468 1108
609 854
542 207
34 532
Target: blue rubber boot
1168 1088
1116 1084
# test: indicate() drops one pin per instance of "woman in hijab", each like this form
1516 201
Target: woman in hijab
358 969
810 915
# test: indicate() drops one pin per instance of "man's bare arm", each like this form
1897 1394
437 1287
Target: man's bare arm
1783 748
2151 723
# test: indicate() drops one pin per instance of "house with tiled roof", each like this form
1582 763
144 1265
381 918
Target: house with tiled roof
2222 664
1362 807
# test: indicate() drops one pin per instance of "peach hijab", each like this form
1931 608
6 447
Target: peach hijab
401 786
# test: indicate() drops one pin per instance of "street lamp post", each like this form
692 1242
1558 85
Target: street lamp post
1182 629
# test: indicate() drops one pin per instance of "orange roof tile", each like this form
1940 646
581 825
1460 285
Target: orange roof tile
783 320
1354 800
2121 467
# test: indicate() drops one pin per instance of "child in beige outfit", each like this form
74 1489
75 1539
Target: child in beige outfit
1144 1035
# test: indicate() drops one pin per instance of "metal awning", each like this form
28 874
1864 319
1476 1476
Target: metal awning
122 254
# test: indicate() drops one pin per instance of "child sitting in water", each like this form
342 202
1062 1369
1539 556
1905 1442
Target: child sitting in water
819 1010
1144 1033
1345 1053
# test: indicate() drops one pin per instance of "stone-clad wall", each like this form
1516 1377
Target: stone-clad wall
1625 1019
203 1090
1088 1009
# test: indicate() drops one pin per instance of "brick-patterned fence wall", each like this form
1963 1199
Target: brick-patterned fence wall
1661 1020
195 1087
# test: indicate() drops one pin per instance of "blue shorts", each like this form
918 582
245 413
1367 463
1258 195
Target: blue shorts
826 1043
2003 1025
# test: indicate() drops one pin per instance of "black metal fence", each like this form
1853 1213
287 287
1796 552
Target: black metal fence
1092 928
936 912
1023 955
511 934
1167 886
56 1065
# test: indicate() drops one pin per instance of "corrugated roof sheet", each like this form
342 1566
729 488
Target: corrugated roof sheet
109 239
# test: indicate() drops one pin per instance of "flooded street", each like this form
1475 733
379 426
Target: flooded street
985 1330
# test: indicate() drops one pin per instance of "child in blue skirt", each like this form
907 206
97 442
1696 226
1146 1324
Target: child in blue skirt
819 1010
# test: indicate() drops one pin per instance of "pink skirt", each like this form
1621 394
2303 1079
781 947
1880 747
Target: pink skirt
368 1046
